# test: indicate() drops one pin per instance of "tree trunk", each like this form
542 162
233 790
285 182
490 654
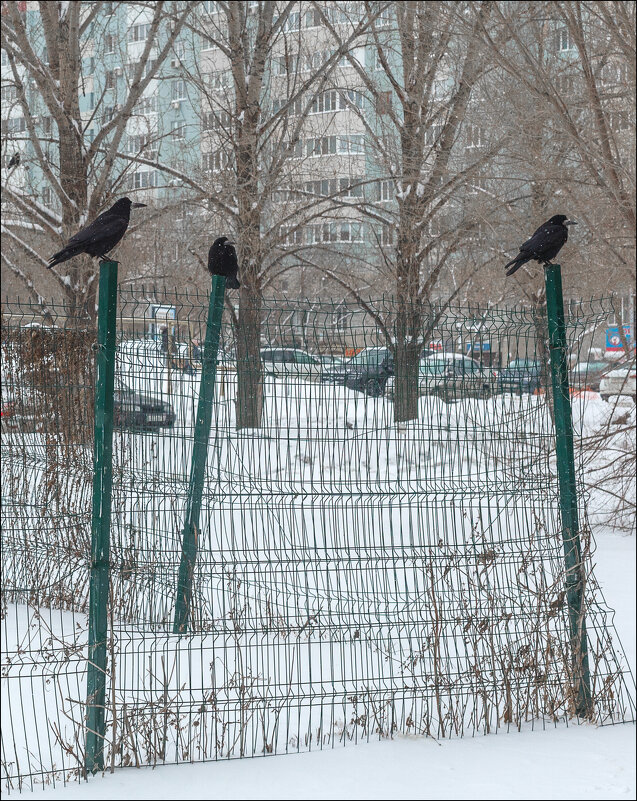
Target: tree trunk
406 361
249 368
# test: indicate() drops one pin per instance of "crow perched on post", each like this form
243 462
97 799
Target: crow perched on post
545 243
222 260
101 235
14 161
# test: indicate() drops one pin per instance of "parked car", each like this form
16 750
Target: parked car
587 375
330 361
18 411
620 381
452 376
291 363
520 377
135 410
366 372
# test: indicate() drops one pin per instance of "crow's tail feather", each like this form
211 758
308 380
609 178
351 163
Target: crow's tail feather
62 255
517 263
232 282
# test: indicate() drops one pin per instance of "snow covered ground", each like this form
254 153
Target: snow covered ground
563 762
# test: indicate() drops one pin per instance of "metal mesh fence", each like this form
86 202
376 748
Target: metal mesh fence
355 576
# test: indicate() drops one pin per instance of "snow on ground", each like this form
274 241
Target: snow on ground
563 762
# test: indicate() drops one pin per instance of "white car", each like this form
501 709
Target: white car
619 382
291 363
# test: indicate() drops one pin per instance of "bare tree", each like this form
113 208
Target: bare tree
425 71
82 175
574 66
257 88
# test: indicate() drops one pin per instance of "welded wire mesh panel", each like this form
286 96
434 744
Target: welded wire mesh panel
47 429
379 549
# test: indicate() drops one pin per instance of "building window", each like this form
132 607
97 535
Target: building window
351 187
216 121
312 62
218 79
178 90
325 102
108 114
292 21
344 231
475 136
284 64
290 235
322 188
432 134
293 109
292 150
320 146
178 131
387 235
144 179
135 144
146 105
312 18
47 196
9 93
385 191
351 145
110 42
139 33
563 40
351 97
350 232
215 162
110 81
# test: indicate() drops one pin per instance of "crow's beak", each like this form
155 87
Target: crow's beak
139 205
570 222
229 243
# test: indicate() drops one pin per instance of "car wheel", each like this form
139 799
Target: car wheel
605 397
373 388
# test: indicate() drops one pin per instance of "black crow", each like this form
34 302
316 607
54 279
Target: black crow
222 260
101 236
14 161
545 243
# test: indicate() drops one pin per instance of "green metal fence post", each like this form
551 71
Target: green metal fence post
568 490
199 455
101 519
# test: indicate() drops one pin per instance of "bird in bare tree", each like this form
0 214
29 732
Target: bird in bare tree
101 236
545 243
14 161
222 260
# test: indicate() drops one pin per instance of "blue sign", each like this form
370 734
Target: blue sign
477 346
613 340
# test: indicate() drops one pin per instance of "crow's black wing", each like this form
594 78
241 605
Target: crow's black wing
103 227
538 241
544 240
233 264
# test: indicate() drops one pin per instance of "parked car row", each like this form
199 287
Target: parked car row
21 412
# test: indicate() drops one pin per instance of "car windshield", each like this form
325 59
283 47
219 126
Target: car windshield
583 367
368 357
434 365
519 364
